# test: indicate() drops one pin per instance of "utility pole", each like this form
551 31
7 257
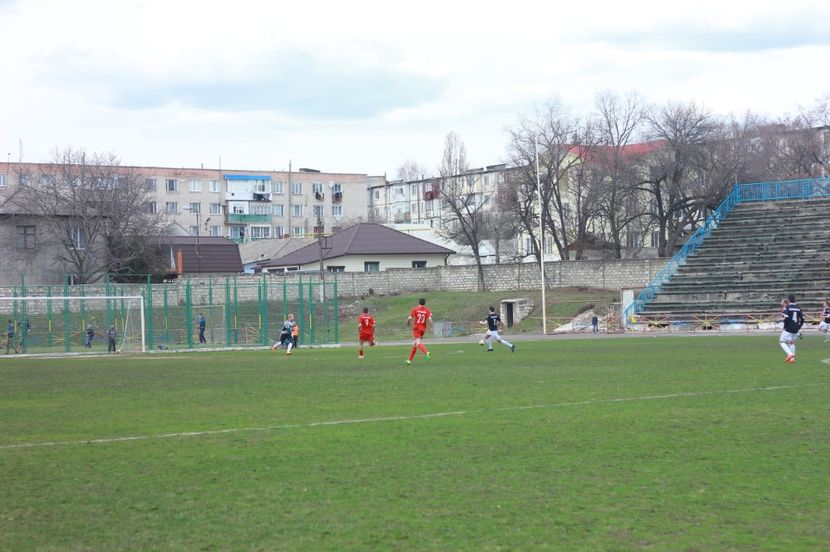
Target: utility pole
325 248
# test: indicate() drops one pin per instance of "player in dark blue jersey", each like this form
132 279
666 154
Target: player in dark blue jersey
824 325
494 324
793 319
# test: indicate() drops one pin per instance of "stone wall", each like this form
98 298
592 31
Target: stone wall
604 274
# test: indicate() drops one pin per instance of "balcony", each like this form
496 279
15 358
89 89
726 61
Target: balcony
239 218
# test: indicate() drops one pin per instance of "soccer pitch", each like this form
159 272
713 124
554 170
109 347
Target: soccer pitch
668 443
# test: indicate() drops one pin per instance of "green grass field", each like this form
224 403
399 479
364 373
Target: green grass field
465 309
667 443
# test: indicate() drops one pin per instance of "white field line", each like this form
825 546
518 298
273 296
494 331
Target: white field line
690 394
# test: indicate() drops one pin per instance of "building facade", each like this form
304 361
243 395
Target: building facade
243 205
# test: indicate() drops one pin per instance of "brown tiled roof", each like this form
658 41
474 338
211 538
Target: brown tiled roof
362 239
215 253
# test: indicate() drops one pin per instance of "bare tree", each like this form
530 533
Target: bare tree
803 144
95 213
502 223
410 170
562 142
464 202
674 181
615 164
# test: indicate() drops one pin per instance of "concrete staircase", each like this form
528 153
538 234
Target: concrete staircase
759 253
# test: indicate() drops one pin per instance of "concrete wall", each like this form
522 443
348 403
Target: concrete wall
616 274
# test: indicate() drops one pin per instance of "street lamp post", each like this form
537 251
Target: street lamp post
198 234
541 237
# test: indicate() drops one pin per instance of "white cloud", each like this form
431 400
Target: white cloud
360 86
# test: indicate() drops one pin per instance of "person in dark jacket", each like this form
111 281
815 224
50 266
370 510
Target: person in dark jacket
793 319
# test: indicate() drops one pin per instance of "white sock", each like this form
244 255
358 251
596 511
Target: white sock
289 346
792 348
489 343
785 347
506 343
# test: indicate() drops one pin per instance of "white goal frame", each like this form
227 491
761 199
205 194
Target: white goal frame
139 298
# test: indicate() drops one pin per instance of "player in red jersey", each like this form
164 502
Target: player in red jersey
419 316
366 330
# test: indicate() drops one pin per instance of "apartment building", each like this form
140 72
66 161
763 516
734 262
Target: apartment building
415 207
249 205
243 205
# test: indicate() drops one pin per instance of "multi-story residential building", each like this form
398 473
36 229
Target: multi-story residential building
416 207
238 204
244 205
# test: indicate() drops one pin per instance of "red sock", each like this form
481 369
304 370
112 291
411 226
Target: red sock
422 348
412 353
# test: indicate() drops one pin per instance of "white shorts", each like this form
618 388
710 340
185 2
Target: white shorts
823 326
493 334
787 337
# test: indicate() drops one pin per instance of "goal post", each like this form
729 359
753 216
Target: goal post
51 324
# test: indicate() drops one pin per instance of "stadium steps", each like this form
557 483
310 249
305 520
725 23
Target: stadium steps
758 254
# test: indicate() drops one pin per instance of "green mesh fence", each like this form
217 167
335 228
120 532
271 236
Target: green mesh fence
238 311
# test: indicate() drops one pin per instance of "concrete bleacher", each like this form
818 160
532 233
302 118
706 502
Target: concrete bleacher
759 253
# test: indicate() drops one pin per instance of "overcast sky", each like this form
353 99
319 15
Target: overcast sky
361 86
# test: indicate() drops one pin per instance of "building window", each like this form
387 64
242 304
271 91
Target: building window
337 210
215 230
171 185
194 230
377 194
318 211
336 188
215 186
215 208
277 187
296 188
25 236
336 268
298 231
655 238
195 208
77 238
259 232
150 184
279 210
195 185
260 209
317 187
151 207
371 266
260 186
419 264
171 208
279 231
236 233
297 210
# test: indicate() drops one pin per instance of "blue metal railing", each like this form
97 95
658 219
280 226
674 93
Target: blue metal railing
741 193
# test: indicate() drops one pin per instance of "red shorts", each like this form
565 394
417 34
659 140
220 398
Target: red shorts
366 337
418 331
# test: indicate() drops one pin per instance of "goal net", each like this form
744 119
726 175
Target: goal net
45 324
